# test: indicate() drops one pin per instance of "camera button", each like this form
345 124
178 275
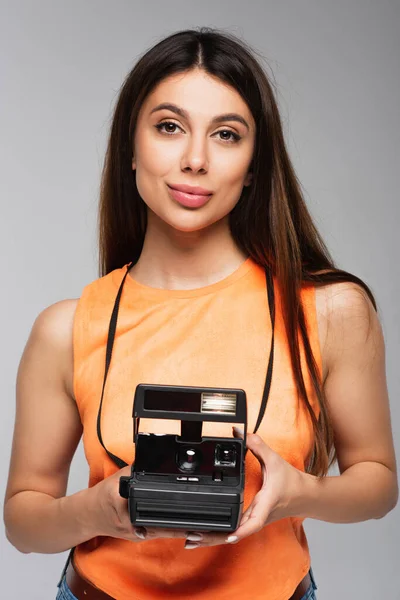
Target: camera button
181 478
193 479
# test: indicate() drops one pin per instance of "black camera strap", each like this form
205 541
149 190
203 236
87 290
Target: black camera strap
110 342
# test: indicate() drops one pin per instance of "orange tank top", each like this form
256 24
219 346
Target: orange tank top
215 336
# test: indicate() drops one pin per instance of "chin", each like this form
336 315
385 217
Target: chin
188 221
189 227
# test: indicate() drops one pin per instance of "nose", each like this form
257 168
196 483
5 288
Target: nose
195 156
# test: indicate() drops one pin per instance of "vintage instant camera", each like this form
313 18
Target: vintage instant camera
187 481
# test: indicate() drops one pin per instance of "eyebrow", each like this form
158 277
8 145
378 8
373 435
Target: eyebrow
183 113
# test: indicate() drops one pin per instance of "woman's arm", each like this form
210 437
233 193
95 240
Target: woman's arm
355 388
357 397
37 516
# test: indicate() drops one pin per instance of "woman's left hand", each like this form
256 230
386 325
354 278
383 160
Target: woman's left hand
275 500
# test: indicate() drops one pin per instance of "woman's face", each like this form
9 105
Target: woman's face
192 148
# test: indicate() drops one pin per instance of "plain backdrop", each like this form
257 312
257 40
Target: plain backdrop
335 65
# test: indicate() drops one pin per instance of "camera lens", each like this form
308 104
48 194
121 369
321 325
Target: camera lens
225 455
188 458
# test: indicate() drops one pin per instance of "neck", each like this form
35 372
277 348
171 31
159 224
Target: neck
172 259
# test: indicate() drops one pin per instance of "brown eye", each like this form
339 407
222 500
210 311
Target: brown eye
165 124
235 136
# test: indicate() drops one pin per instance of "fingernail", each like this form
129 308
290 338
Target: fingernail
140 533
194 537
190 545
231 539
239 430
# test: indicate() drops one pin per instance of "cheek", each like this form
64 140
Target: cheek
157 157
153 163
231 169
230 186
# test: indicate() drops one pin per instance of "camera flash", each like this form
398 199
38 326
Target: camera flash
218 403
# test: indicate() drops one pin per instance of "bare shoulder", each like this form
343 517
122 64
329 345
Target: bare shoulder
345 315
57 318
53 327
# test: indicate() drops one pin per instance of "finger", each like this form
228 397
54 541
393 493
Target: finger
255 520
246 515
238 432
127 470
133 532
197 539
140 532
259 497
132 535
258 447
253 440
159 532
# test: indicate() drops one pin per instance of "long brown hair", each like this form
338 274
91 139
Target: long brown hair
270 222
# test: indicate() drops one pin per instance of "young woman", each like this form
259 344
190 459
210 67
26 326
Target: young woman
201 220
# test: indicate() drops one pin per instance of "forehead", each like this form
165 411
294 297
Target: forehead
199 94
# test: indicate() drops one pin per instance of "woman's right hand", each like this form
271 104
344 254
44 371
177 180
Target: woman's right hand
111 516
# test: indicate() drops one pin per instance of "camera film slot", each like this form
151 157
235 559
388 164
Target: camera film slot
218 403
178 513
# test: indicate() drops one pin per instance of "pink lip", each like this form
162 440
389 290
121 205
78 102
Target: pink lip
190 189
188 199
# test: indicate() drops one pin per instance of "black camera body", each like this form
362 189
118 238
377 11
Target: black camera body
188 481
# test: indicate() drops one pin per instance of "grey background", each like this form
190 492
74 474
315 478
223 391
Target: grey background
336 67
